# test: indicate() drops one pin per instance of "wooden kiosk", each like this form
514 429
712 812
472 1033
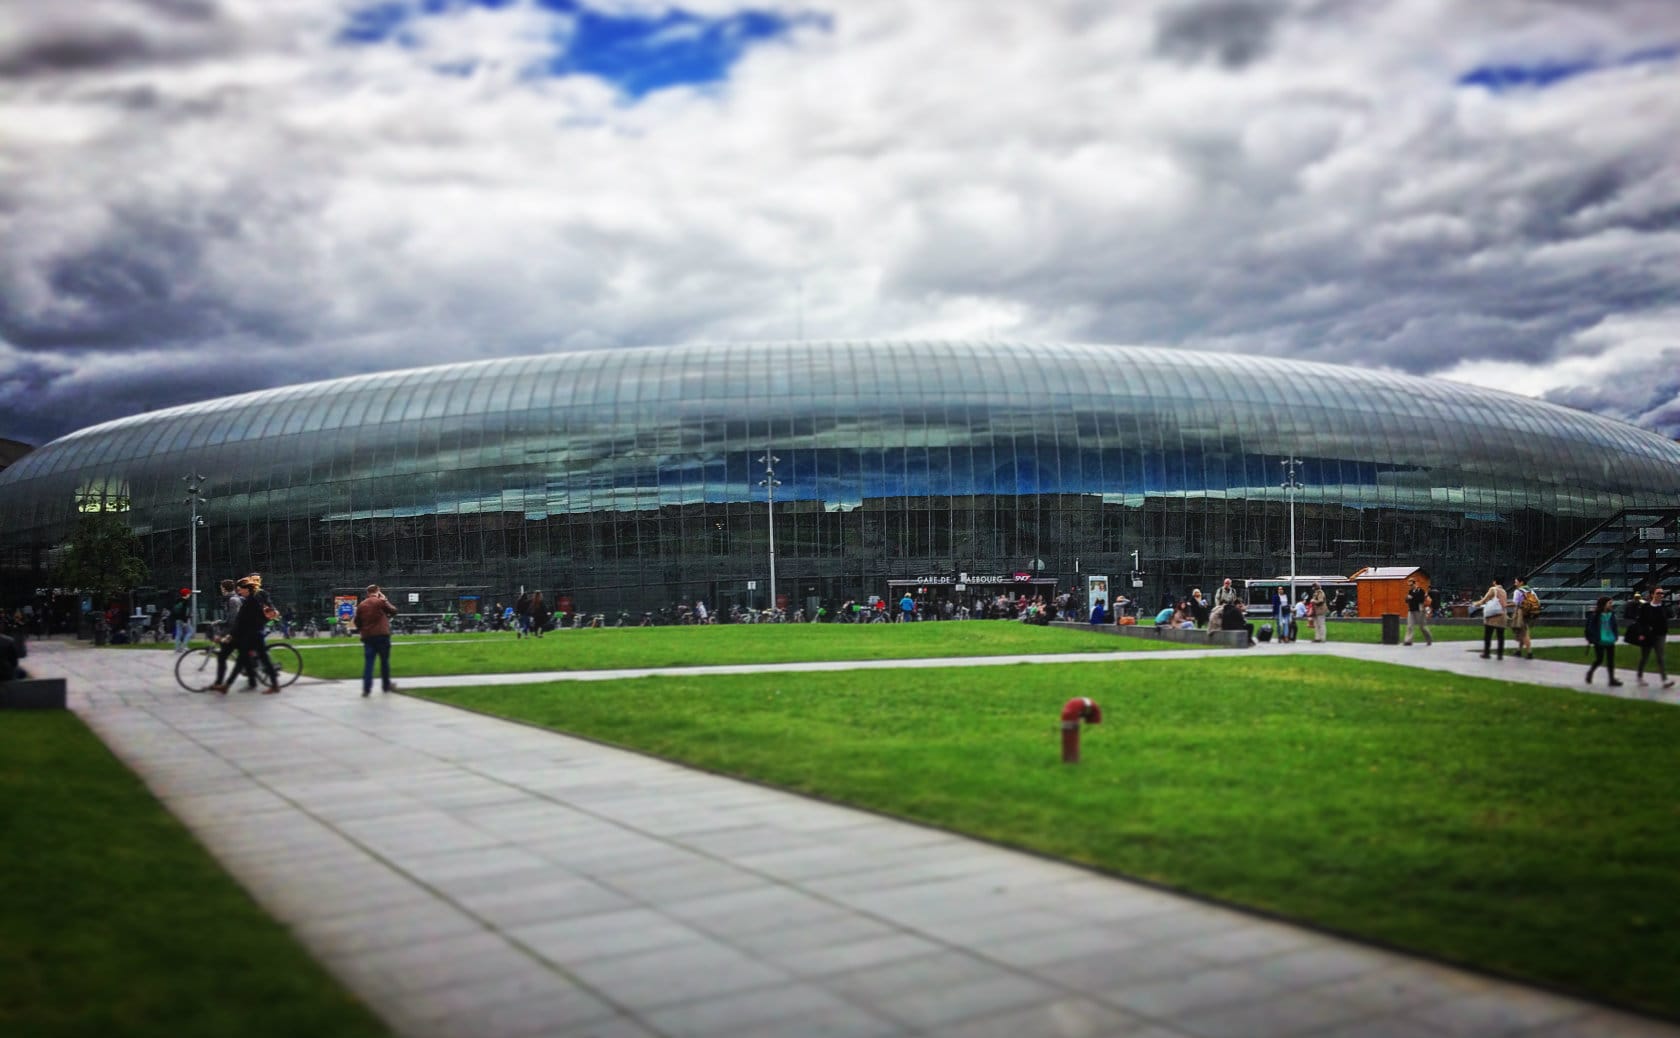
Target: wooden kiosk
1382 589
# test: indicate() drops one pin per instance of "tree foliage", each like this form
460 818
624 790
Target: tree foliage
102 556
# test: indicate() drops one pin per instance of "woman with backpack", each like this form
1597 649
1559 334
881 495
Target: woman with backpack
1525 608
1601 635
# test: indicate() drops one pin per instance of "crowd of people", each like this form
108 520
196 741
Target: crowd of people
1647 630
1507 616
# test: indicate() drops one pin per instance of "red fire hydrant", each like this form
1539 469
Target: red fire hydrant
1074 711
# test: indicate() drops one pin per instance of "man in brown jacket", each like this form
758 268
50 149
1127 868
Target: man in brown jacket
373 622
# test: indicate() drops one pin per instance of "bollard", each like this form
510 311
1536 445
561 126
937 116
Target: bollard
1073 711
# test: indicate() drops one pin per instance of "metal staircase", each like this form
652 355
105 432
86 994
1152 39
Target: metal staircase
1638 548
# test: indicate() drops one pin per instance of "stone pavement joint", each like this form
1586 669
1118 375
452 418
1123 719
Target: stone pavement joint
465 875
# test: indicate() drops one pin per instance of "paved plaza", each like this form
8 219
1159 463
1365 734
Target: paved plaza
471 876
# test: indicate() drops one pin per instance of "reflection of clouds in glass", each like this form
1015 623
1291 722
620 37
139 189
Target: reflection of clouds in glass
856 423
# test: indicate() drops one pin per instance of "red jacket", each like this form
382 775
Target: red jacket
373 616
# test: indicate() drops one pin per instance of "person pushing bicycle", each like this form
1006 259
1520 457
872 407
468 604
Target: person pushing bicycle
250 624
231 601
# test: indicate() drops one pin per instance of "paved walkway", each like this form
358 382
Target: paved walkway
468 876
1449 657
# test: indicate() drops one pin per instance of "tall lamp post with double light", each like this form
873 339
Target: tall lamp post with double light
195 484
1291 484
770 483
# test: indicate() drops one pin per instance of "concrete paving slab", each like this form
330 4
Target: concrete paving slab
465 875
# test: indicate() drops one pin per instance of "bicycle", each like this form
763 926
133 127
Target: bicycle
195 670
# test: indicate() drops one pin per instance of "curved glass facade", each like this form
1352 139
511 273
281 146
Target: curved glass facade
627 479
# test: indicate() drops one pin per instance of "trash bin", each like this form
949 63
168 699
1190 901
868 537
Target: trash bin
1391 629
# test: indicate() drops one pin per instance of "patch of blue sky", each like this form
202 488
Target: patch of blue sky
1542 74
389 20
376 23
637 52
675 47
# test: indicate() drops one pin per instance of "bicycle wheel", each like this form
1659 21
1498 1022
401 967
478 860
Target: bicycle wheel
287 661
195 671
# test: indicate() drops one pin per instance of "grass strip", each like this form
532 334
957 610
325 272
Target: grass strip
115 921
1525 830
479 652
638 647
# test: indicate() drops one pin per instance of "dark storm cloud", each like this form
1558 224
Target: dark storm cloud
70 50
1236 34
41 400
105 35
185 10
147 282
173 228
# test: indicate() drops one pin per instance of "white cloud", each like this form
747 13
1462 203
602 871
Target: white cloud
1304 179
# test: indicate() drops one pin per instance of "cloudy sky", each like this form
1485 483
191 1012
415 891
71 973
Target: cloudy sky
200 197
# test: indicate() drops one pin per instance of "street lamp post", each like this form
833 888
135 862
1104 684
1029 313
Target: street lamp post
195 483
1291 484
770 483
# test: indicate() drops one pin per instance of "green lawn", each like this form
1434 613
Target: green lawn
636 647
114 921
1527 830
611 648
1626 655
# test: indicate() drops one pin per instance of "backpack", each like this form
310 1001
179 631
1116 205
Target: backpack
1531 605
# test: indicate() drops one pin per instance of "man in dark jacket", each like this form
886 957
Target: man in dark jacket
1417 611
1653 625
249 627
10 652
231 601
180 612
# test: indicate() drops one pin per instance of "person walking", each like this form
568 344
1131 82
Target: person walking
1601 634
1417 611
231 601
906 608
539 614
1320 614
1493 604
522 615
1522 601
180 614
373 623
249 627
1653 622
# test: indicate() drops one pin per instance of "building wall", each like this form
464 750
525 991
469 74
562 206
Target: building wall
627 479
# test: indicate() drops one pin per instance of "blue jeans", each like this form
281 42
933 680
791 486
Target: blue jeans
183 635
376 647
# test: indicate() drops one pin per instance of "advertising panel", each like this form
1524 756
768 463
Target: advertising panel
1096 589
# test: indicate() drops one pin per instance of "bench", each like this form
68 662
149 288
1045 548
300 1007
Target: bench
33 694
1200 637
